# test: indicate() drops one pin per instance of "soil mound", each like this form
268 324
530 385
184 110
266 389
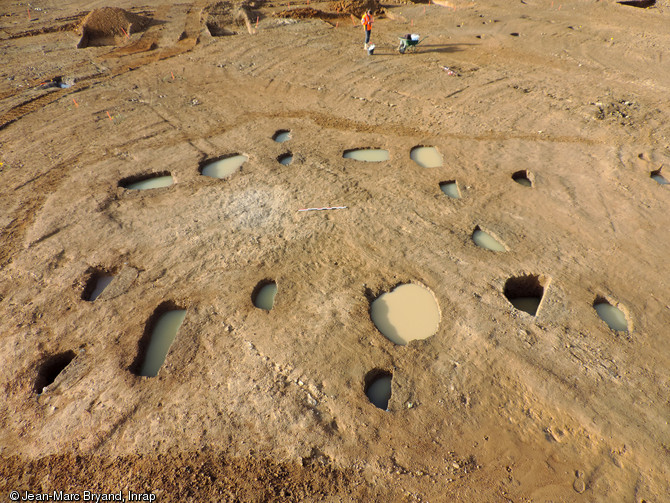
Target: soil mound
221 18
109 26
356 7
305 13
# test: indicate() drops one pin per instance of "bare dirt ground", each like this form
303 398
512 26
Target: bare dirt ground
252 405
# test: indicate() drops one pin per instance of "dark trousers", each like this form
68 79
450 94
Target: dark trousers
367 36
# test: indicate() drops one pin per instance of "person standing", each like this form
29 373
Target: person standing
367 21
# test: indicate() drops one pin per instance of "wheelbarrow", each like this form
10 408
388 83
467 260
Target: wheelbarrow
409 42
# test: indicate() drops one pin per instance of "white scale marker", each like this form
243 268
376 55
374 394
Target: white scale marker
326 208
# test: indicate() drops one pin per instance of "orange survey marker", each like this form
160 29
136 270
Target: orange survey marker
75 103
110 117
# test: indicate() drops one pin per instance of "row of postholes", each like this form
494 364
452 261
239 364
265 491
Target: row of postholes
426 157
408 312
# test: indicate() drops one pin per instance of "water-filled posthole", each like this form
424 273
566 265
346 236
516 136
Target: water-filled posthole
367 154
377 387
159 334
525 292
523 177
282 135
285 159
223 167
450 188
409 312
612 315
426 157
50 369
97 282
658 177
487 241
146 182
642 4
264 294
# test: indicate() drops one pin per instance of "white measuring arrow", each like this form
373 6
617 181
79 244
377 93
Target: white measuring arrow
326 208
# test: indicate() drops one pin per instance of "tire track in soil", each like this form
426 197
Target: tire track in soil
73 22
30 105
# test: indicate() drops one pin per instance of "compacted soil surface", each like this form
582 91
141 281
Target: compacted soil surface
498 405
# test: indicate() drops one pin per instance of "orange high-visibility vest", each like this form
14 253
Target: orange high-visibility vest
366 21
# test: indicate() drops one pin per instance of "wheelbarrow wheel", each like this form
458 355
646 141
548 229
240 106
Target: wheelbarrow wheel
401 48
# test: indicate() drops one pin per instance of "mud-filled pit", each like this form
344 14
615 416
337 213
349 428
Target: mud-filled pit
409 312
160 333
285 159
377 387
525 293
658 177
263 296
450 189
641 4
147 182
223 167
523 177
96 284
611 315
367 154
485 240
51 368
282 135
426 157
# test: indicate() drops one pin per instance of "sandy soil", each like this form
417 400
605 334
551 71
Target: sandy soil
252 405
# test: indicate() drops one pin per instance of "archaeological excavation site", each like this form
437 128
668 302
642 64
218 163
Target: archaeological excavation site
246 258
